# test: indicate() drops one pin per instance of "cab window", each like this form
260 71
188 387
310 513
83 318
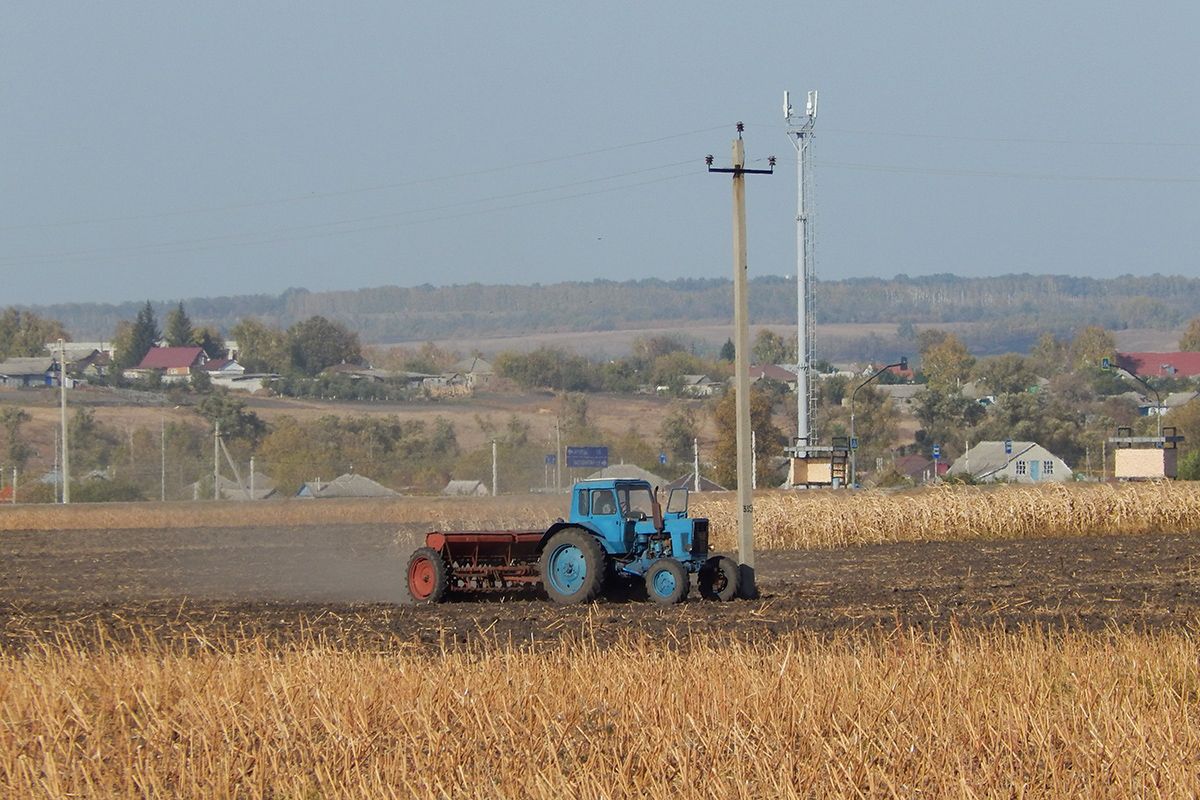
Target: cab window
602 502
636 503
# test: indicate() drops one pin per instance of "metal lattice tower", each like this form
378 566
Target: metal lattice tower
801 127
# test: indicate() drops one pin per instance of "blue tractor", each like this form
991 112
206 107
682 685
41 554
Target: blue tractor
619 533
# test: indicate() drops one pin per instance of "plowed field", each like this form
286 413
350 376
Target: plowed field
344 583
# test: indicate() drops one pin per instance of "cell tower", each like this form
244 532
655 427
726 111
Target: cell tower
801 127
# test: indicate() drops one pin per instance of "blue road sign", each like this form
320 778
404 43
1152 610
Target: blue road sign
551 460
937 452
853 442
587 456
1008 447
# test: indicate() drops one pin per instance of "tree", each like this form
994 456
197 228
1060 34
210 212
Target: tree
1049 356
946 416
669 370
24 334
1004 374
547 368
179 331
260 348
573 418
947 363
236 421
678 432
1190 341
316 343
833 389
143 335
12 418
94 445
1091 346
648 348
769 348
212 342
768 439
200 381
728 351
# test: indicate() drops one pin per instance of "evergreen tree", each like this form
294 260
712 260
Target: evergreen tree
212 342
179 328
143 335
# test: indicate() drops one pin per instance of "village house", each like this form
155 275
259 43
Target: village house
37 371
1160 365
348 485
1014 462
920 469
173 363
465 488
772 372
471 372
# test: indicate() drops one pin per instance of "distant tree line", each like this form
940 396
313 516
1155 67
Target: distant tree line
1008 312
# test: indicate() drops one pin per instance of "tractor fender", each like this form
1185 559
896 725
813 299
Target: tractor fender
561 525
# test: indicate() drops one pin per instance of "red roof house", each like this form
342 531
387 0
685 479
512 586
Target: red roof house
173 361
771 372
1160 365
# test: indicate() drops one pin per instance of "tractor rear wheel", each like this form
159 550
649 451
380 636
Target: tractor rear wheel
718 578
667 581
427 576
572 567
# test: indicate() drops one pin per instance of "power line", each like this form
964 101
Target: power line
960 173
991 139
360 190
222 242
1012 140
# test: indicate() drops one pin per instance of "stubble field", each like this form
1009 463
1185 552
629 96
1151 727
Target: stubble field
967 643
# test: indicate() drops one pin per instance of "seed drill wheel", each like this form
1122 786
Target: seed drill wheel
718 578
667 581
428 576
572 567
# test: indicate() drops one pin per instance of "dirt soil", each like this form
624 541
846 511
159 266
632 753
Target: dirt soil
343 584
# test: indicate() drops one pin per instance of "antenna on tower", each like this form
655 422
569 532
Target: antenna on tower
801 128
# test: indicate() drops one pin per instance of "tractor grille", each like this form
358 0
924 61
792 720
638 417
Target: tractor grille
699 538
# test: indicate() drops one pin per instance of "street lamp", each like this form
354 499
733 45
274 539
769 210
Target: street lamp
1158 409
903 365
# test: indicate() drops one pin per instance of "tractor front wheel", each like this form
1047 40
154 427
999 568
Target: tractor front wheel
718 578
428 576
572 567
667 581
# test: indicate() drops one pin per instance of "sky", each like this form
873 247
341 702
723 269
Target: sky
164 151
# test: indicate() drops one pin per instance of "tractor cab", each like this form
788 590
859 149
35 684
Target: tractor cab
617 511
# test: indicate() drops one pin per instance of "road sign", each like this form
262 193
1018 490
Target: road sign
551 460
1105 364
587 456
853 442
937 452
1008 447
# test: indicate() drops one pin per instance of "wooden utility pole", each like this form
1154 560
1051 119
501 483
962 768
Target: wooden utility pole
741 360
62 397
